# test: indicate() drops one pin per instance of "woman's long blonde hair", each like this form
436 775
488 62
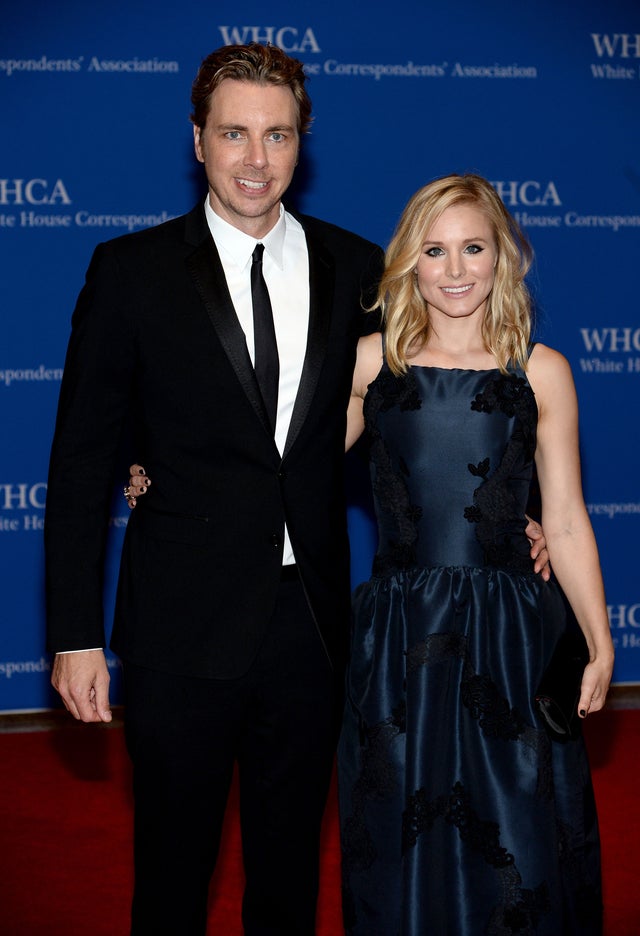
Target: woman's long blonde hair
506 328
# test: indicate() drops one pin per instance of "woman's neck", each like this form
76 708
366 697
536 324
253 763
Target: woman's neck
453 347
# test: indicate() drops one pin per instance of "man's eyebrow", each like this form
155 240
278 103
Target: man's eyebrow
239 126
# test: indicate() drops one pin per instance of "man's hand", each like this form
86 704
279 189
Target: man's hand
82 679
539 554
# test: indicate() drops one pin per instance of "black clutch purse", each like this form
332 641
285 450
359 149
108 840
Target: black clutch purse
559 690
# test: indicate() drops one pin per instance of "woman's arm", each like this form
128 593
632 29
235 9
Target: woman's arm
368 364
138 484
570 540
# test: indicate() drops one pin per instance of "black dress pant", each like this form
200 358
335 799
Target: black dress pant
279 723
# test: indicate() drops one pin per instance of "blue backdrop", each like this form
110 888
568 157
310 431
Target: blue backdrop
541 98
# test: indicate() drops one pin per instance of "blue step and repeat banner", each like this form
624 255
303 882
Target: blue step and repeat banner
542 98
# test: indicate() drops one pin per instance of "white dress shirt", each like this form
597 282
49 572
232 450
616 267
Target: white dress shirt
285 266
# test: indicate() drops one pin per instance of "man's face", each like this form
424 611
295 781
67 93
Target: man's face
249 147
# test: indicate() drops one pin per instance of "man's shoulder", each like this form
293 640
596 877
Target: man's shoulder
332 234
175 230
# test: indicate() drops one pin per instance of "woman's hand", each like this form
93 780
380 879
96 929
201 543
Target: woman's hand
595 683
138 484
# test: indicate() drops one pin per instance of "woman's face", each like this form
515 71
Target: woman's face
457 265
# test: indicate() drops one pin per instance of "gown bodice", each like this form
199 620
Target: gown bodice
443 497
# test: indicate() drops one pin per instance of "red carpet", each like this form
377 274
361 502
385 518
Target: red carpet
65 814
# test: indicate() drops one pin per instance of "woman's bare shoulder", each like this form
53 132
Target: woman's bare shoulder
368 362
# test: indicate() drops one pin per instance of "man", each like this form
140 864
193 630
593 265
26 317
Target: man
233 598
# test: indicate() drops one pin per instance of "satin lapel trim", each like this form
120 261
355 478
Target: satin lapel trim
321 288
205 268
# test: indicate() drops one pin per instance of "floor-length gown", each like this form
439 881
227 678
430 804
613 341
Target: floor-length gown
459 815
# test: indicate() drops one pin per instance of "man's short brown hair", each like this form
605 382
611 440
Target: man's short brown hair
263 64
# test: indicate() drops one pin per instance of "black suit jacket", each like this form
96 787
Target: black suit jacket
155 337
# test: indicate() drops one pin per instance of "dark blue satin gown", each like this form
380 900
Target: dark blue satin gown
459 815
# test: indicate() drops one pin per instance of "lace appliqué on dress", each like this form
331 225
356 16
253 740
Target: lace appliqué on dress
378 778
520 908
388 479
486 705
494 504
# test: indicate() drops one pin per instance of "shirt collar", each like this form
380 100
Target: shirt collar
240 246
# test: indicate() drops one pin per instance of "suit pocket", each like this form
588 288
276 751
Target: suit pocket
174 528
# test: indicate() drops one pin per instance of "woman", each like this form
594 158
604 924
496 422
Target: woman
459 814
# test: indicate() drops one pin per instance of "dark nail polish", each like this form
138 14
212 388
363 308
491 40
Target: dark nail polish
583 713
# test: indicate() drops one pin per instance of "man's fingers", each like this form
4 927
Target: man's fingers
541 563
82 703
82 679
80 708
101 703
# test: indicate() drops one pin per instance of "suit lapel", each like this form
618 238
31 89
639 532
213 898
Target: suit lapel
206 270
321 285
208 275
